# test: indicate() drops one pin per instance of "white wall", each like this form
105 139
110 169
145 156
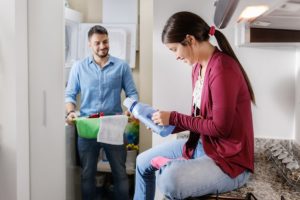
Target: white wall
297 115
271 71
272 74
145 65
8 121
91 9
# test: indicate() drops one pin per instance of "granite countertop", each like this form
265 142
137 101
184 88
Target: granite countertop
267 183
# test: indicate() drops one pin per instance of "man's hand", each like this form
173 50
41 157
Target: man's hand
71 118
129 115
161 118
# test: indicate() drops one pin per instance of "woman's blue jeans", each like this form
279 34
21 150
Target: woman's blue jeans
180 179
116 155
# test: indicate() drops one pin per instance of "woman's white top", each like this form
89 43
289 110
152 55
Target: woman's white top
198 92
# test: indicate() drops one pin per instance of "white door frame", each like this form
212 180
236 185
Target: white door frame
22 116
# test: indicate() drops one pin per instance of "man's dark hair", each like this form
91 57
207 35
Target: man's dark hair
97 29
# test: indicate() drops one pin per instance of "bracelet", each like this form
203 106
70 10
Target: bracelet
72 111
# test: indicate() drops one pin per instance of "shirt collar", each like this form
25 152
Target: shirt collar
111 60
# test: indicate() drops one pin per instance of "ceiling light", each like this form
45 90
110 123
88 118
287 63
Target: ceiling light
252 12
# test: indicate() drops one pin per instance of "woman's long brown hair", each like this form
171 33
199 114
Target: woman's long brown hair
186 23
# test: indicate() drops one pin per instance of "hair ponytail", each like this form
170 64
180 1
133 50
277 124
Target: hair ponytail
226 48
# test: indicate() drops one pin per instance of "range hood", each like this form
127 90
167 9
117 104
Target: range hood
283 15
280 25
223 12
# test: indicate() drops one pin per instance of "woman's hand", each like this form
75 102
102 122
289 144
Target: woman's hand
199 116
161 118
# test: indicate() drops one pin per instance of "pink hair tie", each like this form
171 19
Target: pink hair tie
212 30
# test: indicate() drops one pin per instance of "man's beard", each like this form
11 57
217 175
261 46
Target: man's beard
103 55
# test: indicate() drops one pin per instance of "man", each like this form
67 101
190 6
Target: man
99 79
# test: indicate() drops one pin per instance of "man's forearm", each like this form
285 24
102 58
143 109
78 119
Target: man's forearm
70 107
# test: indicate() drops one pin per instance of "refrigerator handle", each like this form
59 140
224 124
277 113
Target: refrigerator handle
44 118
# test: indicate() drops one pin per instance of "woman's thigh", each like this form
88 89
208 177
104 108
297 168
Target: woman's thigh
196 177
172 150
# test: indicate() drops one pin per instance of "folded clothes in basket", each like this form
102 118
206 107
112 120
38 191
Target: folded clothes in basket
112 129
87 127
106 129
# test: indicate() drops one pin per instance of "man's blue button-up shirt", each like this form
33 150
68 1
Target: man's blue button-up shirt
100 88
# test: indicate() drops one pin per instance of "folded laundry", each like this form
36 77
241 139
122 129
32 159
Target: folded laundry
112 129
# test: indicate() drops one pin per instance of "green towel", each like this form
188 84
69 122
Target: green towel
87 127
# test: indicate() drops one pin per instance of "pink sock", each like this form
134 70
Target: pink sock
160 161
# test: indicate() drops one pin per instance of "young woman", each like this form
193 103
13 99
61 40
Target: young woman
219 153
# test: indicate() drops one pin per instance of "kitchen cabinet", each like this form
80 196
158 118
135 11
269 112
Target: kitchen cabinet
46 100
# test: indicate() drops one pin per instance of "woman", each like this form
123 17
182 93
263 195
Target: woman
219 153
